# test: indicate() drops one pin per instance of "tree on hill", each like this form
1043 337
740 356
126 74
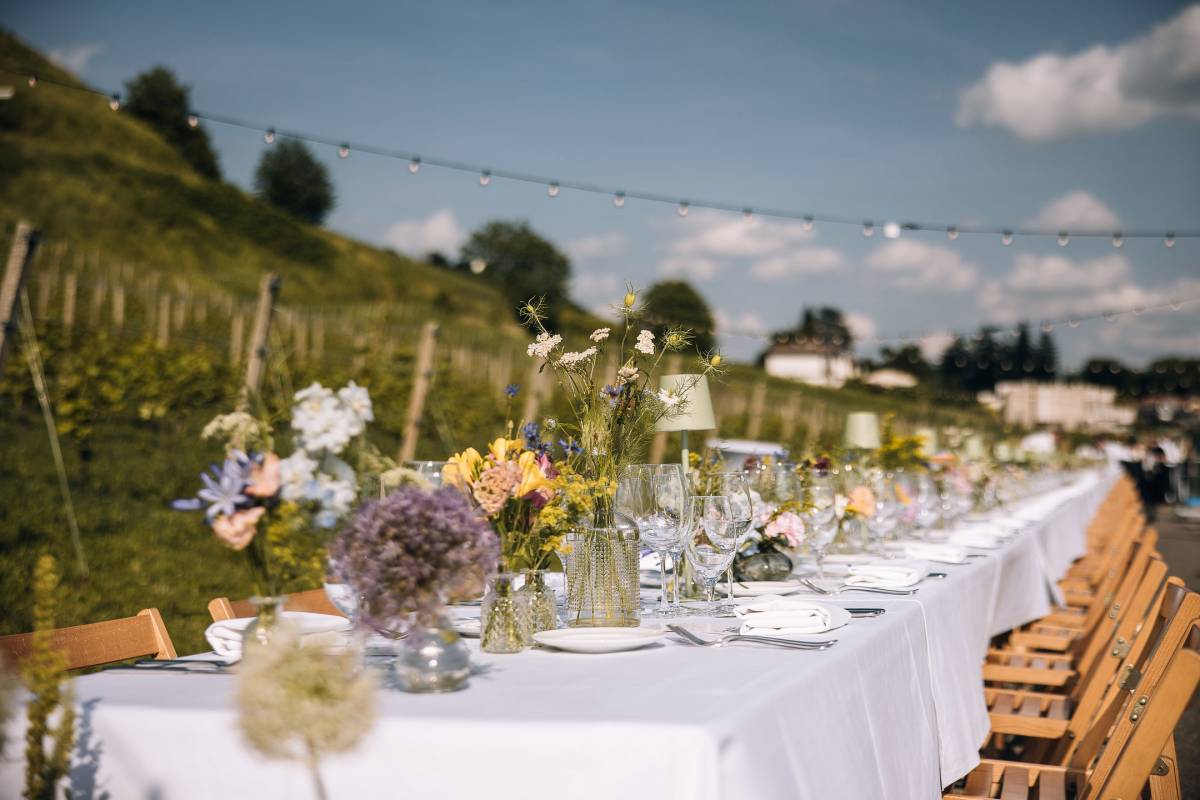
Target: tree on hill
521 264
157 98
676 304
289 177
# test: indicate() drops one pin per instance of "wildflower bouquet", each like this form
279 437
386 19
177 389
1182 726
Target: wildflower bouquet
898 452
613 421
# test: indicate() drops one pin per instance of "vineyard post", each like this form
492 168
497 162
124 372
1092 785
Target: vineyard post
20 257
164 320
70 290
416 401
758 400
256 365
533 393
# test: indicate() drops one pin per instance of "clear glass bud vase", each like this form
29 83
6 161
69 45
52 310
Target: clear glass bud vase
541 602
504 616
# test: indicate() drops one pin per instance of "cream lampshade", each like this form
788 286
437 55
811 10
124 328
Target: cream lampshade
862 430
929 440
697 414
975 450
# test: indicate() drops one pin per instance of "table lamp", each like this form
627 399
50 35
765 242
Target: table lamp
862 431
697 414
930 440
975 449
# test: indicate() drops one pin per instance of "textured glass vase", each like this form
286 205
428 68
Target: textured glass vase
540 602
432 658
602 577
262 628
504 616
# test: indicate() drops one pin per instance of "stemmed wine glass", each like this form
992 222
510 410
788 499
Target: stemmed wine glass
652 495
820 521
887 511
709 542
929 511
735 486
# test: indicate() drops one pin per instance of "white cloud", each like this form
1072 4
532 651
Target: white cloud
1033 272
912 265
603 285
862 326
598 245
76 57
771 250
1077 211
439 231
1097 90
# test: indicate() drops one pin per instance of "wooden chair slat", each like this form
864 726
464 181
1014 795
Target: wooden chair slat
100 643
1015 784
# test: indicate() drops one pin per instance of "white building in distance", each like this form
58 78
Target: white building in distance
810 362
1073 406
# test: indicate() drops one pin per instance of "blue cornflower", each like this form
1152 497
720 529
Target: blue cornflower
223 489
569 447
532 433
511 390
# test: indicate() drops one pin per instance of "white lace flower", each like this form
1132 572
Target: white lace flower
600 334
668 399
543 345
645 343
626 375
571 359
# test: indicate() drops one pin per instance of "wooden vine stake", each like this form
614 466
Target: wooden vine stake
416 401
20 257
256 365
758 401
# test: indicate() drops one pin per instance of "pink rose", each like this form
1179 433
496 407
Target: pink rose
238 530
862 500
788 526
264 477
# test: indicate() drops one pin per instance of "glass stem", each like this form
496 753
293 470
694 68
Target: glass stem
710 591
675 584
729 584
663 602
820 553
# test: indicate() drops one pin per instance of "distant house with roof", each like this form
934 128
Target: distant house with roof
810 361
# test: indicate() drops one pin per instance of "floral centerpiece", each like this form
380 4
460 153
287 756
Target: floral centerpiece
768 554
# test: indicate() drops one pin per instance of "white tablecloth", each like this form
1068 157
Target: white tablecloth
895 710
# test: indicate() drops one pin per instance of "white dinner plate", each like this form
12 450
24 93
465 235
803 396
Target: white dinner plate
598 640
759 588
467 626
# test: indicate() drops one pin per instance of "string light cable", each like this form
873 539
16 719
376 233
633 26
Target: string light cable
555 186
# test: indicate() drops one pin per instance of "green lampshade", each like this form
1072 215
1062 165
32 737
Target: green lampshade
697 414
862 430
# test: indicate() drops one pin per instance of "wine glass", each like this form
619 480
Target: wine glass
929 510
887 511
652 496
735 486
820 520
430 470
709 542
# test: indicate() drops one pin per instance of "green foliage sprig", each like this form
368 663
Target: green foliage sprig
43 672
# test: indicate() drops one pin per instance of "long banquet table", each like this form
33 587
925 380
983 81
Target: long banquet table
894 710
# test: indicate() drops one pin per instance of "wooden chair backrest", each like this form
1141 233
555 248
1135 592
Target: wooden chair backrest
1147 722
100 643
1177 613
1121 611
313 600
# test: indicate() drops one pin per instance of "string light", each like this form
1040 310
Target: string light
1137 310
1063 238
1047 327
344 151
1074 323
553 189
1175 305
683 208
891 230
414 165
485 177
868 229
1109 316
953 232
193 121
477 266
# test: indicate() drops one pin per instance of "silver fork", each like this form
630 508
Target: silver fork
840 589
729 638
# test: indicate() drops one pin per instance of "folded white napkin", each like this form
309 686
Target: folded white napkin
987 538
931 551
649 562
902 574
314 630
772 615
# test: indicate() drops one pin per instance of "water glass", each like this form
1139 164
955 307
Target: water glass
709 542
652 495
820 520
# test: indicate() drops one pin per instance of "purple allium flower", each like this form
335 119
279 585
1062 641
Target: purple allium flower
411 549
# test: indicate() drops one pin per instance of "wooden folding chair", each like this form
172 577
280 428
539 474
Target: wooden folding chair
101 642
313 600
1130 756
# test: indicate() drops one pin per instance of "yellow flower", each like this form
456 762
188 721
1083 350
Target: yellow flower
715 360
630 298
532 477
462 469
902 496
502 449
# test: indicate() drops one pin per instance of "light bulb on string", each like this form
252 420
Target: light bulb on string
952 233
32 81
477 266
891 230
193 121
807 223
1109 316
1074 323
619 200
1006 237
1169 239
748 214
114 102
1063 238
1137 310
1118 240
344 151
868 229
683 208
553 189
1047 327
269 136
485 177
414 165
1176 305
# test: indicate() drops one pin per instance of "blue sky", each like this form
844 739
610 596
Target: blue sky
1084 114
